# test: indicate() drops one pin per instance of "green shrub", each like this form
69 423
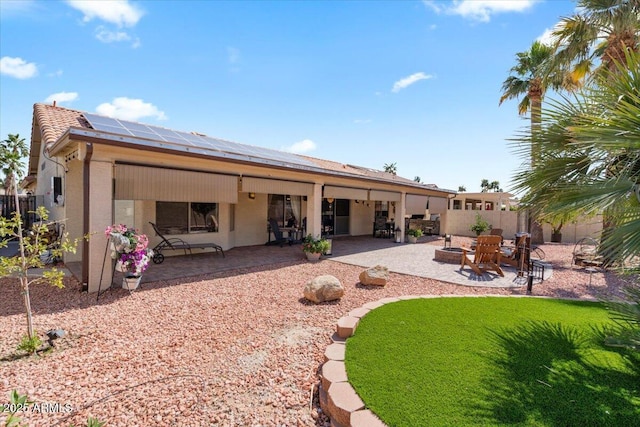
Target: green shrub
30 344
415 233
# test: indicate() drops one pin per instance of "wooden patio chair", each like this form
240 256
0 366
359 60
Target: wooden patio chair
487 255
497 232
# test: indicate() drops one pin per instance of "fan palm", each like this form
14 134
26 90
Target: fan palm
532 75
12 151
589 156
602 30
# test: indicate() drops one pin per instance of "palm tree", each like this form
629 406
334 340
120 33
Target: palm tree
601 30
12 151
391 168
532 75
589 160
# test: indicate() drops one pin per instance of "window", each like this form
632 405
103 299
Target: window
186 217
457 205
382 209
285 209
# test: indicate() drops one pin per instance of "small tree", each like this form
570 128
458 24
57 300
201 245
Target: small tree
462 188
32 246
481 225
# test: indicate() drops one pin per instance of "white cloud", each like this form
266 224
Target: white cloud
362 121
303 146
130 109
61 97
119 12
107 36
17 67
546 37
480 10
433 5
409 80
55 73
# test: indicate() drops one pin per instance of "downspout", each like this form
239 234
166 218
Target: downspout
85 217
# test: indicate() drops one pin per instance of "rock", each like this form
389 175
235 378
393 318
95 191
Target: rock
323 288
377 276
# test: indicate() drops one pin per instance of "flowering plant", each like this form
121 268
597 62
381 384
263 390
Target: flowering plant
129 247
315 245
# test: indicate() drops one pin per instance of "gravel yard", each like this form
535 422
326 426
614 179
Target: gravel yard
239 348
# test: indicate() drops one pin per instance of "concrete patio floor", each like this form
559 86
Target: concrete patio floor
365 251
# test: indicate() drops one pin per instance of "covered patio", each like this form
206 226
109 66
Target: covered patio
363 251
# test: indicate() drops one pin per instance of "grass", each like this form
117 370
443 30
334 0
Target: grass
493 361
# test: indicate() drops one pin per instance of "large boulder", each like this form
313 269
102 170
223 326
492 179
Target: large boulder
323 288
377 276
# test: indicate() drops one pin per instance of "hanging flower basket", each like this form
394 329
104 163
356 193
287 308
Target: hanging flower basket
120 267
129 248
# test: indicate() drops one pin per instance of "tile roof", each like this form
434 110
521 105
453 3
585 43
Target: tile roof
55 121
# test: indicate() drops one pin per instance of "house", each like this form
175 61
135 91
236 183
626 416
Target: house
95 171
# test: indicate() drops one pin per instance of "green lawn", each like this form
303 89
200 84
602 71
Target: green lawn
493 361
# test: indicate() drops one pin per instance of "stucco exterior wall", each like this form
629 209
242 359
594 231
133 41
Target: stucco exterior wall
458 222
73 207
572 232
100 216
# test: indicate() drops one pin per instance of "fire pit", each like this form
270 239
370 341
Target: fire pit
449 255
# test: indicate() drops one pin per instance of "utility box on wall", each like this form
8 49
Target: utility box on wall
56 190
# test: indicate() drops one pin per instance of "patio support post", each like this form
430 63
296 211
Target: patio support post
314 211
401 210
86 178
100 205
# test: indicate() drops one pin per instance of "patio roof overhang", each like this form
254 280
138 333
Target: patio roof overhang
100 137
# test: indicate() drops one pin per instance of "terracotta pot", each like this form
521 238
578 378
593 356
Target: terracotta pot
313 256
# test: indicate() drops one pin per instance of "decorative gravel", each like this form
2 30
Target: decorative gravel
236 349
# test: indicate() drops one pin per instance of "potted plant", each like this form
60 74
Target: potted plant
130 249
556 221
313 247
480 226
414 234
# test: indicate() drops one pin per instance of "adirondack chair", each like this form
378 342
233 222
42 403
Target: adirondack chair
277 234
487 255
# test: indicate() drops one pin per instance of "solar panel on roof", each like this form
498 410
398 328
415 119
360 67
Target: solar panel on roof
160 134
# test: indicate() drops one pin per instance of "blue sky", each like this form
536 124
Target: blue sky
360 82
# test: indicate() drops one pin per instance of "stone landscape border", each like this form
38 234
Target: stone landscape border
338 399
